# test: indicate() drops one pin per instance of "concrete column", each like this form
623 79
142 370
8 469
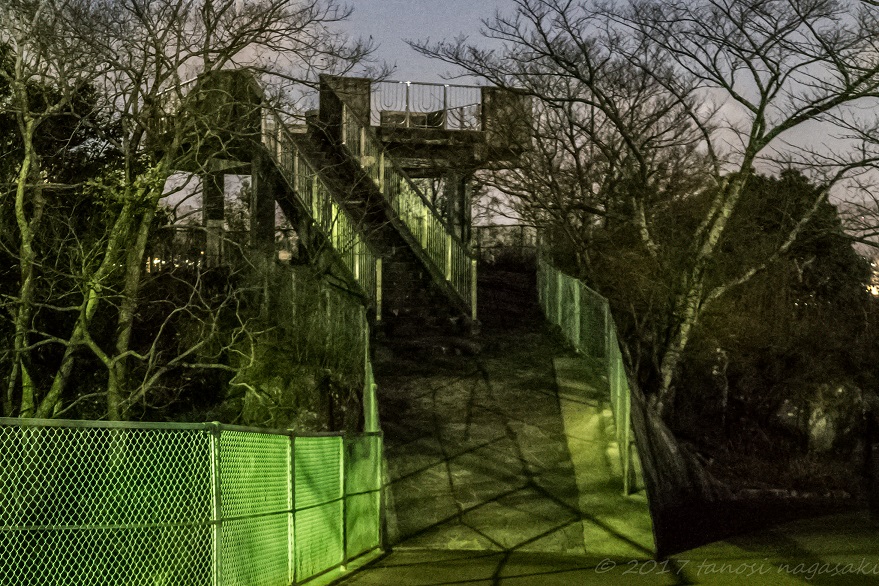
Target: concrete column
456 188
262 209
213 209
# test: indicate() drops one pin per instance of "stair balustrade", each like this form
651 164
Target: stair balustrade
340 230
449 256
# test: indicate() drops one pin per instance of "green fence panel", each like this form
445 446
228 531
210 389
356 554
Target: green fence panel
318 470
319 542
319 503
363 497
255 503
362 518
100 503
362 464
104 506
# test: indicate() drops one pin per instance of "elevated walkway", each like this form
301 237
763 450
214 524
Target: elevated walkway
345 186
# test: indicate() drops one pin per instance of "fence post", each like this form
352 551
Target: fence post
362 145
343 465
558 298
381 171
291 506
576 325
370 404
216 506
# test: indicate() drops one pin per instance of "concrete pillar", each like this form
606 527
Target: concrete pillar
214 213
456 194
262 209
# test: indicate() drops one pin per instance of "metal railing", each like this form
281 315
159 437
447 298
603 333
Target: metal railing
89 503
586 323
407 104
513 243
331 219
181 246
442 248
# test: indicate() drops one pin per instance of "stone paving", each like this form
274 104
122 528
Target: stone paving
476 446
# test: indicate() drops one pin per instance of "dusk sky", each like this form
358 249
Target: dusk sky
389 22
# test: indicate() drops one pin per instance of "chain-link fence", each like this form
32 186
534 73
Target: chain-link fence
585 320
98 503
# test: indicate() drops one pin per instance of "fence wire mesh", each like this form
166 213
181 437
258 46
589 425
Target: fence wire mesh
90 503
584 318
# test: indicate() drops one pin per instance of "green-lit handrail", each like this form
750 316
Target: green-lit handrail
442 248
585 319
331 219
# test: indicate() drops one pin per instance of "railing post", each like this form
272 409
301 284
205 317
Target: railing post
357 253
381 171
316 205
378 290
216 506
473 289
344 124
448 257
407 104
362 151
445 104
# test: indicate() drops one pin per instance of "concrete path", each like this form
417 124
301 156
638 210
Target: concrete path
838 550
478 450
502 472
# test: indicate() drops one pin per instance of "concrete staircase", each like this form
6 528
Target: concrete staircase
411 300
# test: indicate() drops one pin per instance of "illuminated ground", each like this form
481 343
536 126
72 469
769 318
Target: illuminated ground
489 452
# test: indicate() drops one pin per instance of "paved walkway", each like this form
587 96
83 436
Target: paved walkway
478 446
838 550
502 473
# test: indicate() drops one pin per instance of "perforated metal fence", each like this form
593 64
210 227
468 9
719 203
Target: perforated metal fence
96 503
585 320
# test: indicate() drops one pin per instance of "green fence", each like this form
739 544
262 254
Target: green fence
585 320
446 253
97 503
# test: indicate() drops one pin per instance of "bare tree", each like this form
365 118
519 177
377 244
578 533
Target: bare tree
137 54
676 101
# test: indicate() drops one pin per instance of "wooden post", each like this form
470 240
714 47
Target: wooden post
381 172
